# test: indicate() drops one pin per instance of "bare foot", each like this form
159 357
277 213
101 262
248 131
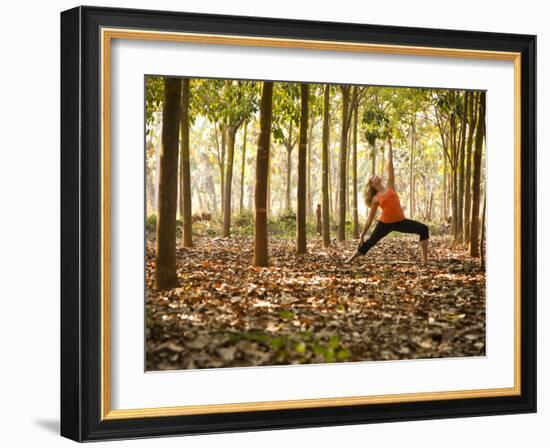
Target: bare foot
353 257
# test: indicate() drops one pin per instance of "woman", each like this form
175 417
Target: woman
392 219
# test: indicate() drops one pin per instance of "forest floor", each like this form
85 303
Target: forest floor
314 308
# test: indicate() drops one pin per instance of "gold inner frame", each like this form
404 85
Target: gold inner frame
107 35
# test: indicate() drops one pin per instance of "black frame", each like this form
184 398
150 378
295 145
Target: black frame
81 223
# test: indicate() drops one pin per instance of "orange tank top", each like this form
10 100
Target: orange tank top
391 207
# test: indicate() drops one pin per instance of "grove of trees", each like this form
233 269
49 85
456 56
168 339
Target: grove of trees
232 151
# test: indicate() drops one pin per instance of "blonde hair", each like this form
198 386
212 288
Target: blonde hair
370 192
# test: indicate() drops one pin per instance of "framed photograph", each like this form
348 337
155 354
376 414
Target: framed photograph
273 223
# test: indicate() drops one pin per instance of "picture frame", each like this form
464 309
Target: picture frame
86 36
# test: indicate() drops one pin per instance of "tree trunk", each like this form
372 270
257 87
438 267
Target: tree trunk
430 206
342 169
185 169
461 169
165 274
269 184
308 187
452 162
454 200
383 161
482 241
157 171
319 222
223 130
180 180
411 170
325 168
355 218
301 244
467 180
444 201
212 188
330 198
243 163
335 174
373 160
231 133
289 148
262 169
150 192
476 181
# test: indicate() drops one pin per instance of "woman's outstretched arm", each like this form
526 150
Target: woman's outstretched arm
391 176
370 218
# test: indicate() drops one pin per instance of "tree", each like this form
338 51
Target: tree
476 181
262 166
355 215
351 96
411 166
243 163
301 244
185 172
286 114
450 117
325 167
374 124
315 107
227 104
239 104
221 144
342 160
472 115
165 274
461 167
208 101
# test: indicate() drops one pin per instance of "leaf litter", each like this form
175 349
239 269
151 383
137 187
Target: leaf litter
314 308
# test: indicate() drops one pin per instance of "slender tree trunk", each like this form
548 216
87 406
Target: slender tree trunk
212 188
454 177
355 219
430 206
383 161
165 274
301 244
348 177
444 201
325 168
262 169
342 168
335 174
373 160
468 176
411 169
269 184
482 241
476 181
223 130
243 164
231 133
185 169
455 203
308 188
289 148
157 171
319 220
461 169
330 198
150 192
180 181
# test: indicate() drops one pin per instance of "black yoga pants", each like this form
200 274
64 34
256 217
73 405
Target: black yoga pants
382 229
